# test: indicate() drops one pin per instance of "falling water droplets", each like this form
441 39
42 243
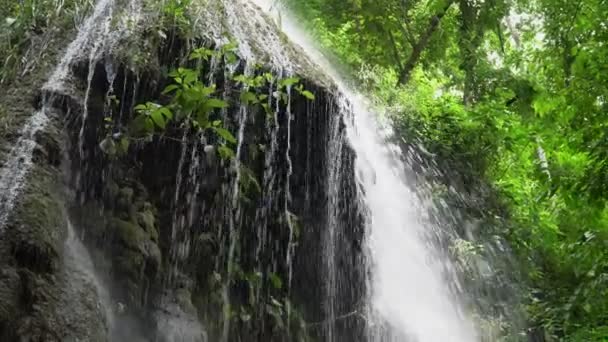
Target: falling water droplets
19 162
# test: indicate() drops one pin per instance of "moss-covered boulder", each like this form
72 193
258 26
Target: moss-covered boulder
135 253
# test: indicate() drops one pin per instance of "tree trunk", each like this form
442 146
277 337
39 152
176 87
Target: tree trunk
471 36
422 43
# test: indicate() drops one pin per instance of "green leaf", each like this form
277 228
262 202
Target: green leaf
206 91
269 77
241 79
276 281
202 119
158 119
266 107
190 76
287 82
142 125
216 103
201 53
225 152
141 107
123 145
225 134
230 57
307 94
248 97
255 278
170 88
166 112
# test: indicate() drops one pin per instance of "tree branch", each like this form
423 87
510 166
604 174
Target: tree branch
422 43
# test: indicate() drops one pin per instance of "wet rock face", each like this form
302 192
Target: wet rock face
48 149
181 234
39 301
162 238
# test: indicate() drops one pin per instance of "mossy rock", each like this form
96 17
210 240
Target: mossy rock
125 199
89 218
10 287
139 253
112 191
129 264
127 233
132 266
39 226
184 299
147 220
48 149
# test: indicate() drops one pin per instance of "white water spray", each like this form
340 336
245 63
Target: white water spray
12 174
409 295
82 272
19 163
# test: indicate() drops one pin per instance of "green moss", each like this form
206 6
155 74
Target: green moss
129 234
38 227
184 300
154 256
147 221
125 197
129 263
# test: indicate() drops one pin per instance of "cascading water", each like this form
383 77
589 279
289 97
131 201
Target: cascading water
81 272
410 297
19 162
13 173
93 36
409 290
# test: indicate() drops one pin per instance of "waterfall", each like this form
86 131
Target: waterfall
12 174
409 290
19 162
82 272
91 42
93 31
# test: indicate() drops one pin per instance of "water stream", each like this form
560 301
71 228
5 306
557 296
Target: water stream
82 273
92 40
13 173
409 295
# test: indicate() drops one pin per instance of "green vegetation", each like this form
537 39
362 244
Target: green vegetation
196 105
510 94
28 23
